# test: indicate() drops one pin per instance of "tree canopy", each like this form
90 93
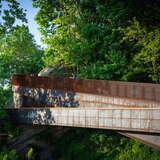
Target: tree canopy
10 12
102 39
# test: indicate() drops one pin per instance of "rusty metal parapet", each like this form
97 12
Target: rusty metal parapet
132 90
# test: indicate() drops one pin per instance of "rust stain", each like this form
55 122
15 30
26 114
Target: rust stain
145 91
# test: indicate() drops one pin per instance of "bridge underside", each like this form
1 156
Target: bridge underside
126 121
152 140
139 120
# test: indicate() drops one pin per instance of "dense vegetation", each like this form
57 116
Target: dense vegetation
103 39
89 144
98 39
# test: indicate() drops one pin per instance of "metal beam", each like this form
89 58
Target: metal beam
139 120
151 140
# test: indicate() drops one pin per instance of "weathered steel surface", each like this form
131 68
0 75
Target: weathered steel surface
151 140
144 120
145 91
39 97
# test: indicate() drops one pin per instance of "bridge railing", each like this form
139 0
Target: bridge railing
35 91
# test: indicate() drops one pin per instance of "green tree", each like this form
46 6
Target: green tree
145 64
18 54
88 36
10 12
10 155
83 35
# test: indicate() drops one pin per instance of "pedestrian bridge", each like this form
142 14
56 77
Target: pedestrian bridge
133 109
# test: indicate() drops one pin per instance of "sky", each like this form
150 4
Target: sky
31 13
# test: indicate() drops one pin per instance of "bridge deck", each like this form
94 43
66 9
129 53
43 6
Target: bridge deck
122 106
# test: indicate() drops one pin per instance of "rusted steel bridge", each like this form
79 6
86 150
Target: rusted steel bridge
133 109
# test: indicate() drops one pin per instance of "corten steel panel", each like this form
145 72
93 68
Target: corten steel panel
144 91
75 99
157 93
68 84
78 85
116 119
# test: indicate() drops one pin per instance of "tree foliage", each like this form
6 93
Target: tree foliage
19 54
10 12
89 144
8 155
102 39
